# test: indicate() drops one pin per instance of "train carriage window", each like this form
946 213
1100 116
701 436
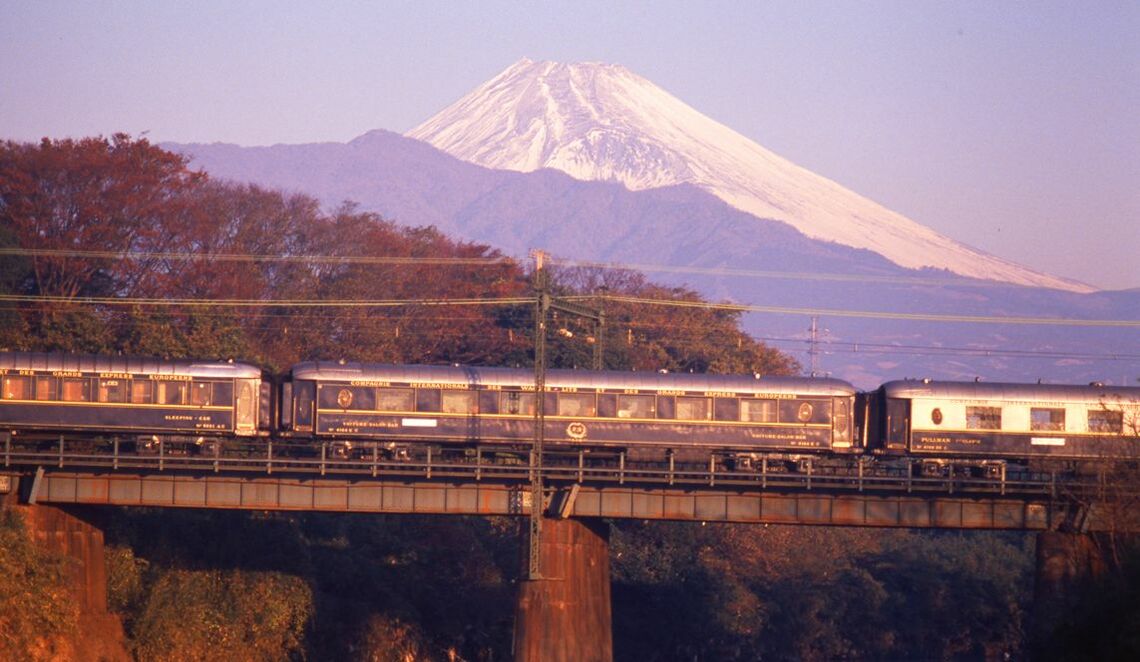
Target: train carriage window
339 396
576 404
1052 420
820 411
111 390
201 394
726 409
363 398
47 388
515 402
636 406
142 392
458 402
76 389
789 409
804 412
1103 420
983 418
17 387
608 405
395 399
488 402
758 411
167 393
841 417
666 406
693 409
223 393
427 399
897 413
333 396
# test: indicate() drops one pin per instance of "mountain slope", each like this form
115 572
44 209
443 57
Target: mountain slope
415 184
602 122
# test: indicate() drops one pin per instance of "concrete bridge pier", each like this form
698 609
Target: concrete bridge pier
566 615
80 542
69 534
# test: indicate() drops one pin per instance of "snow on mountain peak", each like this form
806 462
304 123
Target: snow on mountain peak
599 121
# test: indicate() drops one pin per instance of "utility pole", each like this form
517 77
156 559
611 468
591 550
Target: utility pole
544 303
542 306
813 347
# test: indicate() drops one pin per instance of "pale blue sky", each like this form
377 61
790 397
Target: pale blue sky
1014 127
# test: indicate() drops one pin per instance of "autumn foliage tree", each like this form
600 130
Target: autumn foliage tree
221 270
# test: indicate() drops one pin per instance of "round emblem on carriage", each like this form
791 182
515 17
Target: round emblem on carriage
576 430
344 398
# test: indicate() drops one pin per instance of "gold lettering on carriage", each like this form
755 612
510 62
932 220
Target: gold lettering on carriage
936 440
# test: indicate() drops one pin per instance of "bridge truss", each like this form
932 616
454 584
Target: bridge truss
268 476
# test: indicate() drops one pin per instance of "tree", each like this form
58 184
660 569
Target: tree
93 194
690 337
90 195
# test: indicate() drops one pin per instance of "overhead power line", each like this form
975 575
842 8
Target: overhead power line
497 261
870 314
789 275
362 320
856 347
245 257
704 305
250 303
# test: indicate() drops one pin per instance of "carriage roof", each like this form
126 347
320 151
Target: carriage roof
608 379
1005 392
93 363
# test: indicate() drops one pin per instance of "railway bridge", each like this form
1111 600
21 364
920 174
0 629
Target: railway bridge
566 615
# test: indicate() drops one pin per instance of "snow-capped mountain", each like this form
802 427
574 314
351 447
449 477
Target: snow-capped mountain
603 122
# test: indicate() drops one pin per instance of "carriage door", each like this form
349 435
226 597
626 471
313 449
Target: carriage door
246 406
841 429
898 415
304 399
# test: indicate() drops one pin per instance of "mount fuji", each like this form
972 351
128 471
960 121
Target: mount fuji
601 122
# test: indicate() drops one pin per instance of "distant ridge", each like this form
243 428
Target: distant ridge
601 122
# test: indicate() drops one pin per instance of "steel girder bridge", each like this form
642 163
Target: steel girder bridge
268 476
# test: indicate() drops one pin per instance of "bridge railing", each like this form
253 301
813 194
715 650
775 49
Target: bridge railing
561 467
